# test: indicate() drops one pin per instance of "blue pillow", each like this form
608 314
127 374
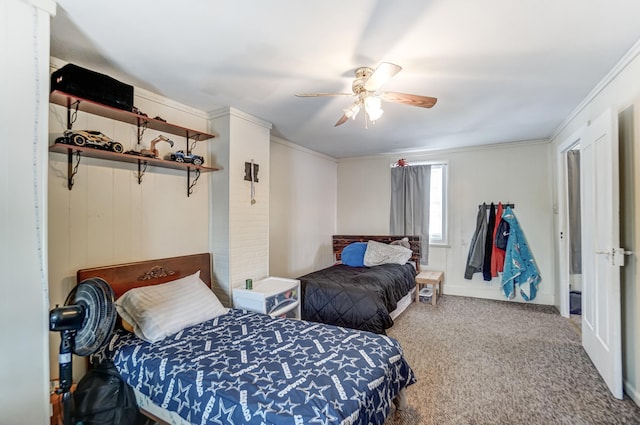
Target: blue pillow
353 254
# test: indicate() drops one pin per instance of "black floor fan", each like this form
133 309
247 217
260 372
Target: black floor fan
85 322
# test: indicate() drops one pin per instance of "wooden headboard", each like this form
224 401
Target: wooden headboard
122 277
340 241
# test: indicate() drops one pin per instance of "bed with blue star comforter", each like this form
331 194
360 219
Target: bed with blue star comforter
244 367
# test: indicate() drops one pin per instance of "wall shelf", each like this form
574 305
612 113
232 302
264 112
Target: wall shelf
75 103
123 157
89 106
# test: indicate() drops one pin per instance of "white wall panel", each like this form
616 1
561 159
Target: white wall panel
248 223
302 210
239 230
24 43
364 194
219 208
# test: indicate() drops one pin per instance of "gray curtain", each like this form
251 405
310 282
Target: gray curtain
575 233
410 200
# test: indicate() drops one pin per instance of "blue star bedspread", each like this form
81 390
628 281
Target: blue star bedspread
245 367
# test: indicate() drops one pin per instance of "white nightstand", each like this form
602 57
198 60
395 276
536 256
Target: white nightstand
275 296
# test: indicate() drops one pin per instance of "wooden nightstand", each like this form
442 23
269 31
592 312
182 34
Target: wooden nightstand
275 296
433 278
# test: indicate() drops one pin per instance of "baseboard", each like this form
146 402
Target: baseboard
494 293
632 392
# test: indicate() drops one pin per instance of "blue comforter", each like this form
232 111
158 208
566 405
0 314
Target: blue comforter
245 367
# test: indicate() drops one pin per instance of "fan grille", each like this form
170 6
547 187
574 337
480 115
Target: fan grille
97 299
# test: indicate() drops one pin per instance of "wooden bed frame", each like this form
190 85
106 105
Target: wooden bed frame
340 241
122 277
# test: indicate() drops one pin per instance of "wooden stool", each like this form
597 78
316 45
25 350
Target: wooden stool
433 278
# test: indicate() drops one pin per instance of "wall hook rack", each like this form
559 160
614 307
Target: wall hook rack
504 205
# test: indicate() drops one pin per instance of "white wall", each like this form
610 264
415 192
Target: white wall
239 229
108 218
620 90
518 173
24 359
302 210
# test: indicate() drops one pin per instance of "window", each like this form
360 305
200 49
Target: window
437 201
438 204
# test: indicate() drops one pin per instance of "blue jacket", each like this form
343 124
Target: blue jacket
519 266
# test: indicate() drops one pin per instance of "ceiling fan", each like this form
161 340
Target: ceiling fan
365 86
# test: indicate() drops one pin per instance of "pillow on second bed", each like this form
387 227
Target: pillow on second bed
160 310
380 253
353 254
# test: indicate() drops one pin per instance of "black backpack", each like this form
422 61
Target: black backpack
102 397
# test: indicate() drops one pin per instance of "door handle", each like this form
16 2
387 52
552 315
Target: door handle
617 255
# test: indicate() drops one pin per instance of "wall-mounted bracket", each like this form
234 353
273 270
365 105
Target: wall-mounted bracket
142 168
191 184
196 139
71 169
142 126
72 116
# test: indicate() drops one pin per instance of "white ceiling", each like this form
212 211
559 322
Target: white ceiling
502 70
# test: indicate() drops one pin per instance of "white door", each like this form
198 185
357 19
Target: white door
601 255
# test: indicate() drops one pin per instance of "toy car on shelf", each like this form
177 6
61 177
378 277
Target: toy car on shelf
90 138
180 156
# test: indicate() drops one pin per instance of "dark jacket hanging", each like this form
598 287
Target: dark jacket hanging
488 245
502 235
476 247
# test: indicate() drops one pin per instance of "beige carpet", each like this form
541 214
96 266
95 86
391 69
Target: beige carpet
492 362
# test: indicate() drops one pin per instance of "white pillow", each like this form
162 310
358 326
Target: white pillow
160 310
380 253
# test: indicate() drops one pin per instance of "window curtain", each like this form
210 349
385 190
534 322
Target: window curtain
575 232
410 201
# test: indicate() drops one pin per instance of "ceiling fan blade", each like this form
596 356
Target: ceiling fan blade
322 94
409 99
383 73
343 119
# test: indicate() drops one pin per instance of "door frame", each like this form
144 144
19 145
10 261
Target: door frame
564 280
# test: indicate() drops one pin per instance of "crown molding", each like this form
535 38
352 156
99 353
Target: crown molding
420 153
48 6
236 113
292 145
622 64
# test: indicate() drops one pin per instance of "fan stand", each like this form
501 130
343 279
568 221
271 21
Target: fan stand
66 376
84 322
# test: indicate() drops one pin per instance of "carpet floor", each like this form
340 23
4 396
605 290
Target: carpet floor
492 362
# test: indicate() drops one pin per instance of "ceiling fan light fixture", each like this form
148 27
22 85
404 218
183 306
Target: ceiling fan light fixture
365 86
373 106
352 111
